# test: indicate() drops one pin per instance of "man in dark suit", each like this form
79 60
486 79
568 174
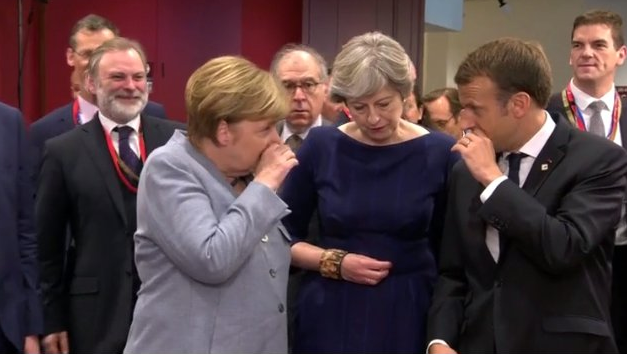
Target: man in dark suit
87 34
526 251
303 72
598 49
89 180
20 306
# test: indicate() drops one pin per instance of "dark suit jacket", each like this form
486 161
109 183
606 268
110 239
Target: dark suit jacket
20 307
280 124
79 187
619 261
60 121
556 105
550 290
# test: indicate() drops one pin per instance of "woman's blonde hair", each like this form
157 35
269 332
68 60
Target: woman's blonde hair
232 89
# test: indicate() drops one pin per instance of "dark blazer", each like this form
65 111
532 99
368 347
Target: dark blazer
619 261
60 121
20 307
550 290
79 187
280 124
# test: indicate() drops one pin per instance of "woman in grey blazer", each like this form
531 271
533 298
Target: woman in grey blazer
210 250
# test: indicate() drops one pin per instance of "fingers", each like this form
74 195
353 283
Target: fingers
364 270
52 344
65 345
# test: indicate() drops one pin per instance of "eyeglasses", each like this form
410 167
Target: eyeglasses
307 86
85 54
441 123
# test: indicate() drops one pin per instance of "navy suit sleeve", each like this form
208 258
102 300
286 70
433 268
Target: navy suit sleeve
26 232
299 190
155 109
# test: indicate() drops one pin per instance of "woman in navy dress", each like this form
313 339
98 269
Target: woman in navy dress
379 184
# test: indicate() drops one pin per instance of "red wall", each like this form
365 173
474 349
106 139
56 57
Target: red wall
266 28
177 35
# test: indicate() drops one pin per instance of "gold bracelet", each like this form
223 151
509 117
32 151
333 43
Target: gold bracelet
331 263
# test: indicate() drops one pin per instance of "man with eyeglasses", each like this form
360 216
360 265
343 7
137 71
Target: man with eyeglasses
303 73
86 35
442 110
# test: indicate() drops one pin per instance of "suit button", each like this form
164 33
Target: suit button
281 308
273 273
264 239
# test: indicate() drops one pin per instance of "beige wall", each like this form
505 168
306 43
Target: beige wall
546 21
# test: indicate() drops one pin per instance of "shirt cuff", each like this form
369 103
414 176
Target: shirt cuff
487 192
436 341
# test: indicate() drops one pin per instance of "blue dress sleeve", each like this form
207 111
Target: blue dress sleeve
299 190
440 203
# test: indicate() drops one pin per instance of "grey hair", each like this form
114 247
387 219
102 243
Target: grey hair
366 64
292 47
113 45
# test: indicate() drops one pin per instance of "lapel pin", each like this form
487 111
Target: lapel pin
544 167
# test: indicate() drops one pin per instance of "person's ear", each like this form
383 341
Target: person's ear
69 57
519 104
90 83
223 133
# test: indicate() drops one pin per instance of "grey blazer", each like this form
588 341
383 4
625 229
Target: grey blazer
213 265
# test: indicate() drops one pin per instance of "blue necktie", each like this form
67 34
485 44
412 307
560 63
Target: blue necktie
513 174
514 167
126 153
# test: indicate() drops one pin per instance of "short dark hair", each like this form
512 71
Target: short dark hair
513 65
602 17
92 23
452 96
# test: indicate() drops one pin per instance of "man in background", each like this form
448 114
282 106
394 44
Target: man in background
303 73
88 181
87 35
590 102
442 109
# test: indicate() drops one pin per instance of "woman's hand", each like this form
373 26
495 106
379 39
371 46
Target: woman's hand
276 161
364 270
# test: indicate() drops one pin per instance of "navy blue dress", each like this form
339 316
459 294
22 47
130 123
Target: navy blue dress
386 202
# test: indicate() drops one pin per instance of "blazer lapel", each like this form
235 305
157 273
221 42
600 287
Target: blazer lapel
477 229
96 146
154 136
549 157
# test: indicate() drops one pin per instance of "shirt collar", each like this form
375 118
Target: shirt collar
534 145
109 125
287 132
583 100
86 109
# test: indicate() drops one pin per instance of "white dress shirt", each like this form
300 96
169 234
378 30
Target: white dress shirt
133 140
287 132
583 101
532 149
86 110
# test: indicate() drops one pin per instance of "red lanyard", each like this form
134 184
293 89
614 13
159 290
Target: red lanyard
76 111
115 158
575 117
